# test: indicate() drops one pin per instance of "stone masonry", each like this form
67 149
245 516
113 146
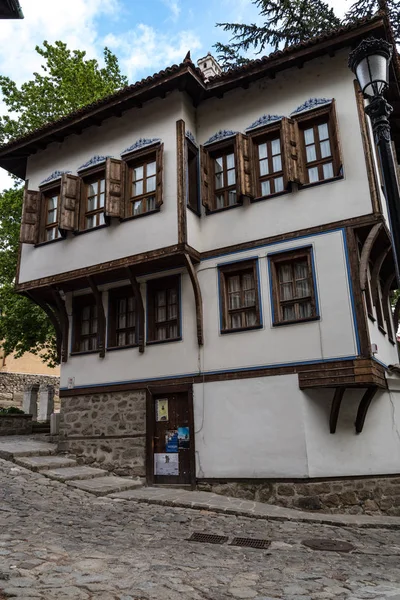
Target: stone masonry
369 495
106 430
12 387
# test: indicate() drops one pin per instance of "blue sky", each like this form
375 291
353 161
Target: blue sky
146 35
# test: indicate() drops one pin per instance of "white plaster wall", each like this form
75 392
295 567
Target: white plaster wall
322 77
250 428
121 239
375 450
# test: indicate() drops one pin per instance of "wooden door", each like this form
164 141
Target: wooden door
171 458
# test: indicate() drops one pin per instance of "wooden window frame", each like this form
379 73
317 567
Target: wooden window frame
291 256
238 268
266 135
313 118
223 148
78 304
193 178
114 296
47 192
379 308
87 178
153 286
137 158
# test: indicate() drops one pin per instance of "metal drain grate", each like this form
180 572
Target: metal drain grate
250 543
328 545
208 538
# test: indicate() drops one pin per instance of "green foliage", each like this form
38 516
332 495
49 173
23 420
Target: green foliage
69 82
288 22
11 410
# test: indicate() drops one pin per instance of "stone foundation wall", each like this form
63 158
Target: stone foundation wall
106 430
369 495
15 424
12 386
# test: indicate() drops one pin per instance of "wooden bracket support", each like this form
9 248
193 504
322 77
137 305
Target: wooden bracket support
366 252
64 323
335 408
139 308
364 406
197 298
101 331
54 318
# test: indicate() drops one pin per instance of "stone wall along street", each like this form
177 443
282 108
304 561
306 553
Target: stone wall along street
12 386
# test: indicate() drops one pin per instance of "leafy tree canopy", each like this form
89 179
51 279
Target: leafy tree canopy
288 22
68 82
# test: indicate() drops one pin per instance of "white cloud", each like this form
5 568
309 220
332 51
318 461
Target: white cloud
174 7
147 49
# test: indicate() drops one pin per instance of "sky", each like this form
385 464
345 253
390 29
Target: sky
146 35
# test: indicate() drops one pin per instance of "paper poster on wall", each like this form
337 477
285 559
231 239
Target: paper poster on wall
162 409
171 441
166 464
183 438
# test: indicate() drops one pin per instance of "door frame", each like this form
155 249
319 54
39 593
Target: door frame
150 427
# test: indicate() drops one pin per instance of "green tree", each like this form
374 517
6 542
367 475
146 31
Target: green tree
288 22
69 82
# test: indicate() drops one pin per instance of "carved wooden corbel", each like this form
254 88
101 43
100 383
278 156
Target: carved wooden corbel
366 252
197 298
364 406
64 323
335 408
51 313
139 308
375 274
101 332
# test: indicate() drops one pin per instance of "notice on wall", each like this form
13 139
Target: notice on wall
171 441
162 409
166 464
183 438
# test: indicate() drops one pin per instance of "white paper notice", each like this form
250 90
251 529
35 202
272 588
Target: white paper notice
166 464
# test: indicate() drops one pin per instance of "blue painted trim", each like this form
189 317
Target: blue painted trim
220 372
353 308
380 362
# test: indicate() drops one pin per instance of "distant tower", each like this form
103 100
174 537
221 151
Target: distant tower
209 66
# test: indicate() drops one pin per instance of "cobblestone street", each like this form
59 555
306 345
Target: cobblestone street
58 543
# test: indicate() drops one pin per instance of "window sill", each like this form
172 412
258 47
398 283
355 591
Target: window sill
196 212
299 321
154 342
381 329
305 186
85 352
47 242
270 196
91 229
241 329
113 348
371 317
219 210
391 340
145 214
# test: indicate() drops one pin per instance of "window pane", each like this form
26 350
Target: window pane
85 328
219 164
249 297
93 344
264 168
305 310
161 314
92 189
102 185
262 151
323 131
311 153
219 180
137 188
309 136
161 298
288 313
265 188
101 200
52 203
220 201
234 300
230 161
328 170
151 184
138 207
89 222
137 173
286 291
50 234
248 281
235 321
84 345
301 270
131 303
122 321
94 326
151 168
313 174
51 216
285 273
121 339
91 204
234 283
302 288
161 333
325 149
251 318
173 331
131 319
151 203
278 184
231 177
276 146
232 198
101 219
131 337
277 163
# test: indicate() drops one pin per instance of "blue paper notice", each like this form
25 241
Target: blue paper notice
171 441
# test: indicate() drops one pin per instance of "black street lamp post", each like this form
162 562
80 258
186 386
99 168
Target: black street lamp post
370 63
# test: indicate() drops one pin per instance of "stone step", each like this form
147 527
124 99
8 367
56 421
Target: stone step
15 448
41 463
102 486
74 473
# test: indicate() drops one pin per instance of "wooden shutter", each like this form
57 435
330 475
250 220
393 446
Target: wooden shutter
334 131
70 196
114 187
205 172
159 174
291 150
29 233
244 180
